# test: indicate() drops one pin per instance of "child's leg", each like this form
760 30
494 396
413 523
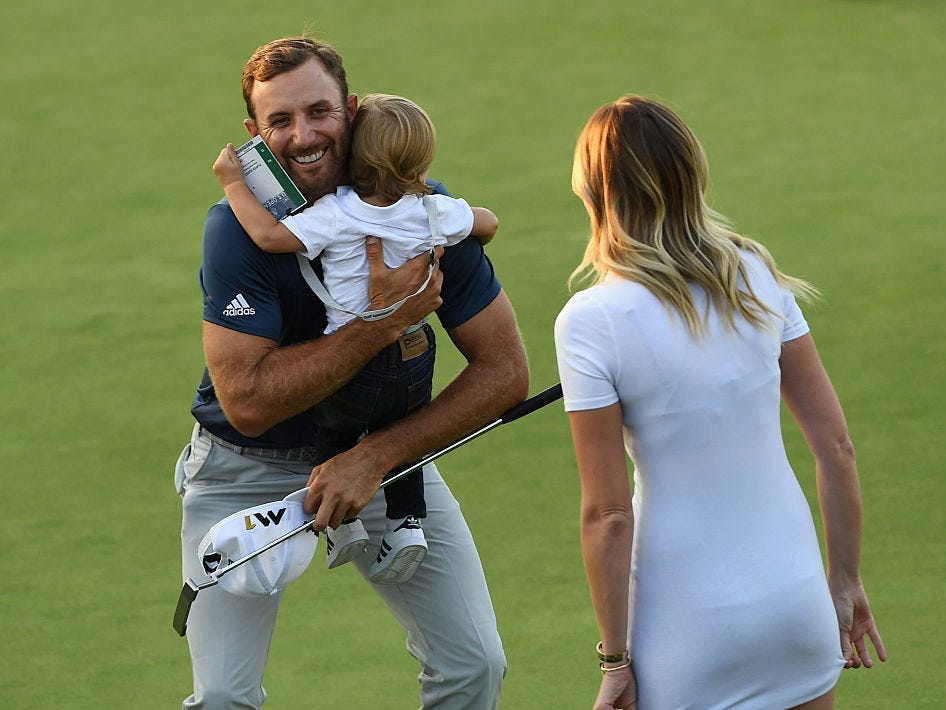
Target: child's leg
404 545
405 497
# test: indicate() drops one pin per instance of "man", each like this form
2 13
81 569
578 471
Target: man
268 366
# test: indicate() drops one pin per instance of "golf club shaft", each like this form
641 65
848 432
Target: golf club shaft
520 410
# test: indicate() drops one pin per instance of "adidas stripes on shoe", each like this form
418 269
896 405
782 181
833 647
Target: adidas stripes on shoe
345 543
402 550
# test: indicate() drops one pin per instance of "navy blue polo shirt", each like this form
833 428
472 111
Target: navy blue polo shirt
250 291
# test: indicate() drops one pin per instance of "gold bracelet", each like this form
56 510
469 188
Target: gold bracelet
610 657
626 664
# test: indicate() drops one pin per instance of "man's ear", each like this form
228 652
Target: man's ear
251 127
352 106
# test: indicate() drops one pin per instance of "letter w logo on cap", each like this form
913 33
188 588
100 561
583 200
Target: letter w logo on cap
265 520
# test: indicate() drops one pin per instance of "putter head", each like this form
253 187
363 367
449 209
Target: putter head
188 595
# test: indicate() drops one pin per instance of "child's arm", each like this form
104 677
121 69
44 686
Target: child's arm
268 234
485 224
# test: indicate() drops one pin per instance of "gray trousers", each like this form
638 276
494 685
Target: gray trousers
445 609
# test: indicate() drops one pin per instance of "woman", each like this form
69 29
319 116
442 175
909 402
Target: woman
708 585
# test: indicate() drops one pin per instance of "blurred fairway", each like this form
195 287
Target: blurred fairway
823 122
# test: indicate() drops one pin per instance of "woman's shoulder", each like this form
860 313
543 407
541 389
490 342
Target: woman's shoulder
605 297
758 273
615 290
748 256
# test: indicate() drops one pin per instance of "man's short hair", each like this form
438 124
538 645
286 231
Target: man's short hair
282 55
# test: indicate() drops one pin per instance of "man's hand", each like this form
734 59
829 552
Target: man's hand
389 286
342 486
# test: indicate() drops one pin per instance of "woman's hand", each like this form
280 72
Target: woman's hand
855 622
618 690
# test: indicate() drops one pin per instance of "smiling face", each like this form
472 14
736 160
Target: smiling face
306 122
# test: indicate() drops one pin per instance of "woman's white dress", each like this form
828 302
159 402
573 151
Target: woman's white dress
729 601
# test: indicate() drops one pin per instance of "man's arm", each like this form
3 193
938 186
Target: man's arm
260 384
495 378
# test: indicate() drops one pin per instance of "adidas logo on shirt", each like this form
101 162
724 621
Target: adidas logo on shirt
239 307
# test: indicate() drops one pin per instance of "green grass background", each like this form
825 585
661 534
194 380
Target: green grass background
823 121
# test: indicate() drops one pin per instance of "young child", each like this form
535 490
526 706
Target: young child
393 145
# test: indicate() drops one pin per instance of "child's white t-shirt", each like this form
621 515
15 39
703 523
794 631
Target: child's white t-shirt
335 228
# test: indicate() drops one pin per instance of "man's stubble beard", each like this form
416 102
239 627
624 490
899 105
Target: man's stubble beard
318 186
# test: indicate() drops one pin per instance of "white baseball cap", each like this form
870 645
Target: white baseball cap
245 532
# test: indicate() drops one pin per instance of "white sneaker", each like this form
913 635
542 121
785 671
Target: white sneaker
402 551
345 543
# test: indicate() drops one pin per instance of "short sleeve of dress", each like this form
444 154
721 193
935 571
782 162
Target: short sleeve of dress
776 296
795 324
585 351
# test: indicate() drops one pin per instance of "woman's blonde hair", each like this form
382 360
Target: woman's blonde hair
643 175
393 146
